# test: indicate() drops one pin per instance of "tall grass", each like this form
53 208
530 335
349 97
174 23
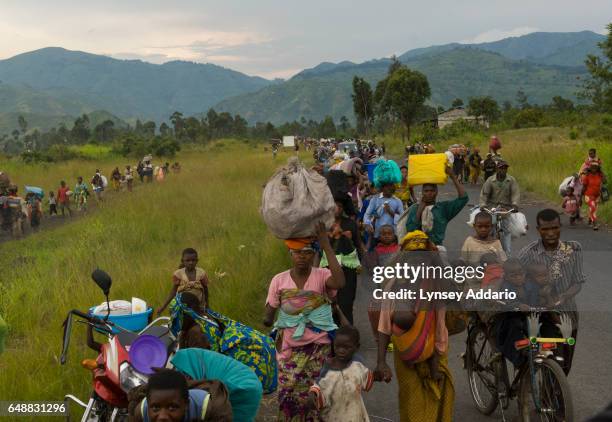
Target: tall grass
213 206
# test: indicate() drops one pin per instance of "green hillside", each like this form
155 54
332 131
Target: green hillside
44 122
54 85
554 48
557 48
456 73
128 88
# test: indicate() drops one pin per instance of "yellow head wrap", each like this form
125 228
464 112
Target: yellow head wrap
415 241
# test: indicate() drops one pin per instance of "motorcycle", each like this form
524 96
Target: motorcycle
124 362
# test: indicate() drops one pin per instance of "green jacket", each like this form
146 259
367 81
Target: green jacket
495 192
443 212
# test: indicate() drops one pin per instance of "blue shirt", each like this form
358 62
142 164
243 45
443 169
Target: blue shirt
376 213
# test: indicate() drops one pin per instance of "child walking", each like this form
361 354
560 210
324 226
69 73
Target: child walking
35 210
52 204
188 278
337 392
570 205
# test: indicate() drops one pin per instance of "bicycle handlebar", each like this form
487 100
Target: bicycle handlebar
498 211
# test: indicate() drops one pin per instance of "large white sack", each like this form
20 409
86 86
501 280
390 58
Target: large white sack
294 200
516 224
565 184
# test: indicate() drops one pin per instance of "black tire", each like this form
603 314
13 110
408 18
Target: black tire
482 377
554 394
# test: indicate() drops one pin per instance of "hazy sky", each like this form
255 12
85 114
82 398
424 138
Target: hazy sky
277 38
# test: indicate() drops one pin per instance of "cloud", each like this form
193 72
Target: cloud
499 34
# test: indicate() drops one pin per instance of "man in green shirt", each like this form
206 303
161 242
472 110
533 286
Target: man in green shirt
432 217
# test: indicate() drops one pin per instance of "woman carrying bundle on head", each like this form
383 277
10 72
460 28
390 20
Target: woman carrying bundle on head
301 297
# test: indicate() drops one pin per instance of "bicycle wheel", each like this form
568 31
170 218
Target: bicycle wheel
553 393
481 373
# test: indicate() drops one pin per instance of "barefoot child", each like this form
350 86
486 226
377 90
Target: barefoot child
342 379
188 278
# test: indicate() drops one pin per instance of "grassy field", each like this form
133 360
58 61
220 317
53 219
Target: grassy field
539 158
213 206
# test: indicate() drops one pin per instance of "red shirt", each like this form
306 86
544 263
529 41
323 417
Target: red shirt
382 249
62 195
592 184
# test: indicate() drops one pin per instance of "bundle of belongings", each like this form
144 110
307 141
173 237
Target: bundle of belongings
386 172
295 200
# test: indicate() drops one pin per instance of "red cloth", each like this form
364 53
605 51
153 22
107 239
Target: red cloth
592 184
492 272
62 196
383 249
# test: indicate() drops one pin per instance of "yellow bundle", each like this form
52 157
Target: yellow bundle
427 168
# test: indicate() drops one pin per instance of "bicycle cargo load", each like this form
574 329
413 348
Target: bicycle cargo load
517 224
427 168
294 200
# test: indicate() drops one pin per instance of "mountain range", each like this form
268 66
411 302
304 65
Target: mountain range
541 64
54 85
58 83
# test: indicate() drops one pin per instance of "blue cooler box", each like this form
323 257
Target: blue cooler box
133 322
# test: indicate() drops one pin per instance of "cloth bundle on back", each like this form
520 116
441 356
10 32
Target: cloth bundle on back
295 200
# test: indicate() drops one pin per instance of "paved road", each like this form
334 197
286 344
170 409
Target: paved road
591 376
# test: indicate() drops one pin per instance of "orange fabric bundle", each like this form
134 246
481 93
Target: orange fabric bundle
298 243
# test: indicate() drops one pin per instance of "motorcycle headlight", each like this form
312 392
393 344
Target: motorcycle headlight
129 378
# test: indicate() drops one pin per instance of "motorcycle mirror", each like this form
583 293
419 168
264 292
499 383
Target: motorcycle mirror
103 280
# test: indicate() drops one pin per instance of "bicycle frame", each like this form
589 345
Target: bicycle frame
539 349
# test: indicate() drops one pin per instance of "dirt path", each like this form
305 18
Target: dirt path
49 222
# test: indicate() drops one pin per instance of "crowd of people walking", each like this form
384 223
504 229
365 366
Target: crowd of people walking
19 212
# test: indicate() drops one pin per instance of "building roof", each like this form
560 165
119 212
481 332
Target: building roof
454 113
